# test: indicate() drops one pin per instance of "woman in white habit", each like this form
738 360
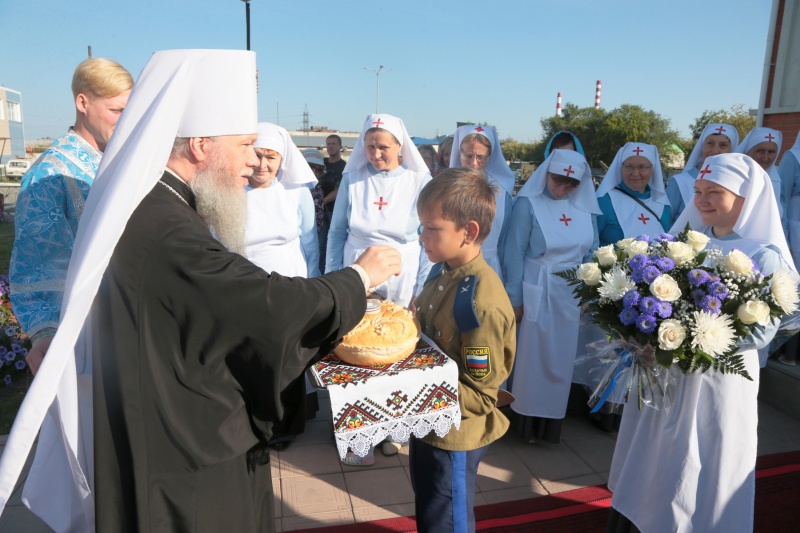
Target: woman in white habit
553 227
377 204
281 234
691 466
478 147
715 139
764 146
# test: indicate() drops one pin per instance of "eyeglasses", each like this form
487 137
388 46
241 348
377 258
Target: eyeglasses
315 168
476 157
641 168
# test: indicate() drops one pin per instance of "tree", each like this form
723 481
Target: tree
516 151
602 133
739 117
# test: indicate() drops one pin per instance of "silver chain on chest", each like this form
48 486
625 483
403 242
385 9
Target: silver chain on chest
176 193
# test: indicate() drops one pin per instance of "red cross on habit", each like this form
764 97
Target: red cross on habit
564 218
478 129
378 123
769 137
643 218
569 172
720 130
704 172
380 204
638 151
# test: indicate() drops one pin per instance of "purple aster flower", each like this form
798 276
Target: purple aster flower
20 365
10 331
638 262
637 275
756 268
665 264
697 277
666 237
648 305
631 299
711 305
7 380
651 273
698 295
15 347
717 289
10 357
644 238
628 316
646 323
664 309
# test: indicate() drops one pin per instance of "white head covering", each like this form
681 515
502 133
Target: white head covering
762 135
170 99
293 170
565 163
614 175
408 151
711 129
496 168
313 156
759 219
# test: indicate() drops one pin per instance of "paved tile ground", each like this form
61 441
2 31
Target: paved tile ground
313 488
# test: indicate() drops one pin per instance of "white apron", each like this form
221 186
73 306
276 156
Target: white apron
634 219
272 237
692 467
489 247
548 333
380 207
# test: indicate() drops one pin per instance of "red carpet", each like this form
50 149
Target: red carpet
586 510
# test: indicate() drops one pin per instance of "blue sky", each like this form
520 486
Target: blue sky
500 61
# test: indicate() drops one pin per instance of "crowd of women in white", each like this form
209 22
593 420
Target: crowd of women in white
555 222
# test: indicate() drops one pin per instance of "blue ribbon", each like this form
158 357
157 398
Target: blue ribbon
626 360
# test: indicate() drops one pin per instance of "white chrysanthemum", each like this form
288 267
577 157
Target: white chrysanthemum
784 290
615 284
713 334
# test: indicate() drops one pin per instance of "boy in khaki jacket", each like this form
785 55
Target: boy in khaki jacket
465 310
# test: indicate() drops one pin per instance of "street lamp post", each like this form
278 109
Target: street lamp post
247 20
377 85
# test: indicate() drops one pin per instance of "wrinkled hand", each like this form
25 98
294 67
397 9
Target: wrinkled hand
379 262
37 352
518 312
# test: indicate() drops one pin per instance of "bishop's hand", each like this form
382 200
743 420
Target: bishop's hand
379 262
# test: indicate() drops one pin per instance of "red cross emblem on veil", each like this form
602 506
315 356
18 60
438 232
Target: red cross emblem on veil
569 172
638 151
720 130
704 172
378 123
479 129
769 137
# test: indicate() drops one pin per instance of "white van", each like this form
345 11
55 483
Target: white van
15 168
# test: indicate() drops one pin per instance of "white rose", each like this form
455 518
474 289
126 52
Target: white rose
589 273
671 334
753 311
606 255
624 243
665 288
636 247
738 263
680 252
697 240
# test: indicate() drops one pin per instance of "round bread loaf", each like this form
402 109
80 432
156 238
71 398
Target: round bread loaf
381 338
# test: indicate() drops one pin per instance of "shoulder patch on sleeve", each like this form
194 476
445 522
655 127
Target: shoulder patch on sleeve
464 305
477 360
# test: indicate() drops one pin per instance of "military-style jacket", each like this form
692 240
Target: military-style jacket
467 313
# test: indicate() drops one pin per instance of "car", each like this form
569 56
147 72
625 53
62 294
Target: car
15 168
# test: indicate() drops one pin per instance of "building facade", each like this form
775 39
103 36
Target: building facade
12 132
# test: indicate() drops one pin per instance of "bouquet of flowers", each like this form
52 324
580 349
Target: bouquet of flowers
14 344
667 301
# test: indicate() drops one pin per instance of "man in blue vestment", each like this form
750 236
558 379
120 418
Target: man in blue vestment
51 199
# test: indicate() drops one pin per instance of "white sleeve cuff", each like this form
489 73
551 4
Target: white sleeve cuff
363 274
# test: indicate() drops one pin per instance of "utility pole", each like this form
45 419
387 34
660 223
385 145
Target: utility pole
305 125
377 73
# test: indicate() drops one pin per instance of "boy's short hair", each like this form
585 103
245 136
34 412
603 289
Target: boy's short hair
334 136
97 77
461 195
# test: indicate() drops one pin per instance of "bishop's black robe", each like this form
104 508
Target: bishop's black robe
192 346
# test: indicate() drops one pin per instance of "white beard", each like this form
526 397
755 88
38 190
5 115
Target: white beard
222 204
